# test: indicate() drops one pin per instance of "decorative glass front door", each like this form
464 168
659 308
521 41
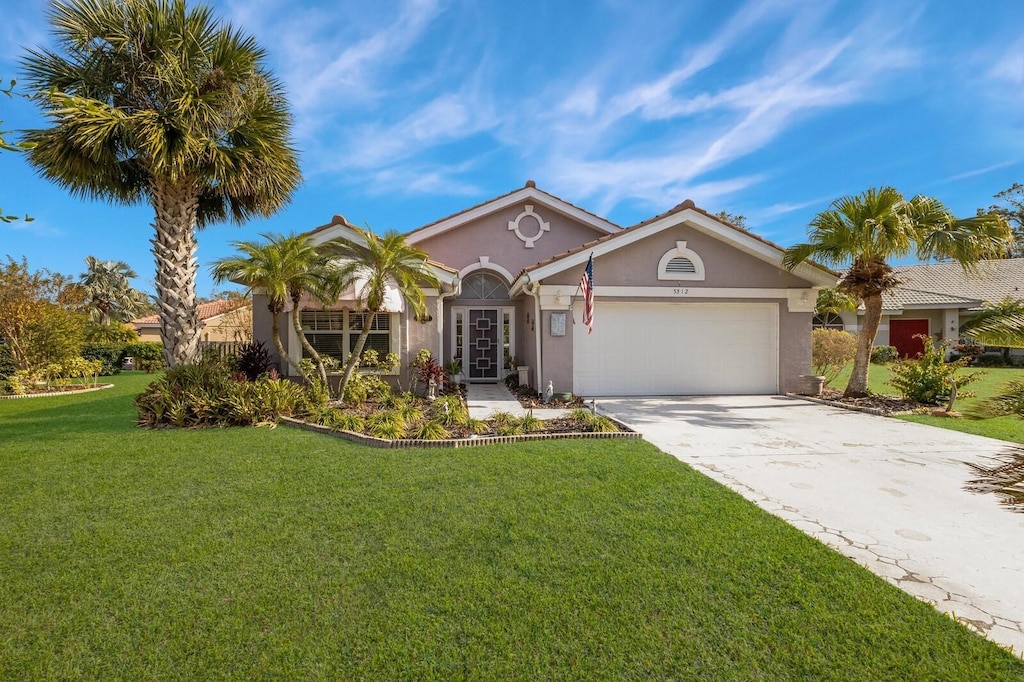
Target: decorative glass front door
482 338
483 348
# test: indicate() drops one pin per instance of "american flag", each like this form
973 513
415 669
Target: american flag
587 285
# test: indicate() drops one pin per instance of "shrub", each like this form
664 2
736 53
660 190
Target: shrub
988 360
883 355
428 430
529 423
929 378
204 396
388 425
449 410
109 354
113 334
253 359
831 350
148 355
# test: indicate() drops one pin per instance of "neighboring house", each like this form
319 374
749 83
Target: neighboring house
219 321
686 304
935 299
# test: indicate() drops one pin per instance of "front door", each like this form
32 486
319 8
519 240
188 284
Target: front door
483 347
903 334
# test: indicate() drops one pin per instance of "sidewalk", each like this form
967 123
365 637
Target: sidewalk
486 399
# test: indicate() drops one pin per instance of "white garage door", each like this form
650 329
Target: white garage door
678 349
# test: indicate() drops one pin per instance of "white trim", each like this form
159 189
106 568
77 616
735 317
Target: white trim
545 226
524 194
797 300
681 252
485 264
697 220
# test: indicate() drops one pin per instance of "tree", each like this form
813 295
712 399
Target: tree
833 300
27 298
862 233
733 218
151 101
998 324
11 147
284 267
107 292
378 264
1012 211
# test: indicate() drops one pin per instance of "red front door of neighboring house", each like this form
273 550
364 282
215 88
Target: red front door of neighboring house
902 333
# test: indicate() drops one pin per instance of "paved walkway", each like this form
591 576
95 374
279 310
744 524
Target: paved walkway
888 494
486 399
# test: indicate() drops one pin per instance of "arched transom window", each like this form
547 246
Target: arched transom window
681 263
484 286
827 321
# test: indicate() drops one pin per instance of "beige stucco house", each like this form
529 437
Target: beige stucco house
686 304
226 321
935 299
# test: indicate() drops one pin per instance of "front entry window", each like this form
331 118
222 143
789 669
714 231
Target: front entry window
483 286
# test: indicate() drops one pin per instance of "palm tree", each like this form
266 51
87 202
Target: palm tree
108 293
380 263
152 101
864 232
285 267
998 324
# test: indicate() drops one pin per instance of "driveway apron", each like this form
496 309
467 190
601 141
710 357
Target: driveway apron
886 493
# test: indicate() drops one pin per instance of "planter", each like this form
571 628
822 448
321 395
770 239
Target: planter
811 384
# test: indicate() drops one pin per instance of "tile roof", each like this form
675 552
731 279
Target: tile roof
904 297
205 311
944 283
529 184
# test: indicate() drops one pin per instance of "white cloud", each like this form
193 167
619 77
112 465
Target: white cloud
36 228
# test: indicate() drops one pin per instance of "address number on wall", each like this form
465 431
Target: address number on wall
680 292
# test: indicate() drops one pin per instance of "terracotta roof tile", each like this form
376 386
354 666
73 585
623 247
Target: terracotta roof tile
205 311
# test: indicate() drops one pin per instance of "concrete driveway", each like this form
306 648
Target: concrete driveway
884 492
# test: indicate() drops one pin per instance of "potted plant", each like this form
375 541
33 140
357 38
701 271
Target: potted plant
453 368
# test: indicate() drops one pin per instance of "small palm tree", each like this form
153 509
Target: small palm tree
378 264
998 324
862 233
109 295
153 101
285 267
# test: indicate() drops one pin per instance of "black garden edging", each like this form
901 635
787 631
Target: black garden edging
472 442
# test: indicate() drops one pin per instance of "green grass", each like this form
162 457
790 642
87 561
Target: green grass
131 554
991 380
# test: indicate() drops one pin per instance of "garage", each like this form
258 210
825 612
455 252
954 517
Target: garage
678 349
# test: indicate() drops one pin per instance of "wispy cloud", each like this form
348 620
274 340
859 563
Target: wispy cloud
37 228
979 171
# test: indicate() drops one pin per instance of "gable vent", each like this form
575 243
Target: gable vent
681 265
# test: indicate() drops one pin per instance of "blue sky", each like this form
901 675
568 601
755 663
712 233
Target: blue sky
409 110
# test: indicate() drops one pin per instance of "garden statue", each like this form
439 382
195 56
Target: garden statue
549 391
432 389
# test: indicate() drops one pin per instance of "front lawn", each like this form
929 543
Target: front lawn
259 553
991 380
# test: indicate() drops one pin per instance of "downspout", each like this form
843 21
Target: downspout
456 288
533 289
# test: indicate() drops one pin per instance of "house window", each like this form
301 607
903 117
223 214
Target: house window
484 286
334 333
681 263
828 321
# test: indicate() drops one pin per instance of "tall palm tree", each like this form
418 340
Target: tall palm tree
285 267
108 292
378 264
862 233
153 101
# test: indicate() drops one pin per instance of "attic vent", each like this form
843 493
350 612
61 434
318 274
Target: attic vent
681 263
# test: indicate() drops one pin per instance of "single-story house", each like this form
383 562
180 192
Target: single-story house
685 304
224 321
935 299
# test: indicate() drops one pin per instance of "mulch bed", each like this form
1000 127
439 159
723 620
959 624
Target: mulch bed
879 404
528 399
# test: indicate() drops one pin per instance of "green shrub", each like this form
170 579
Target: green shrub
883 355
109 354
147 355
831 350
388 425
929 378
427 430
449 410
988 360
529 423
253 359
204 396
